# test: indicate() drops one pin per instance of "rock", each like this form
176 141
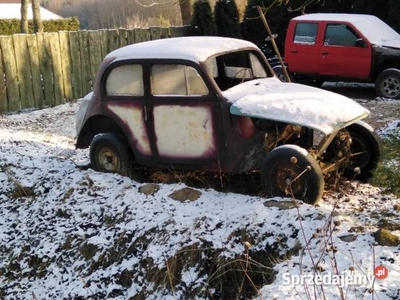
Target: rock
320 217
357 229
348 238
149 189
281 205
185 194
389 225
385 238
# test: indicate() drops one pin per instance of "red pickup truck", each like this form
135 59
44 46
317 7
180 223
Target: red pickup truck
343 47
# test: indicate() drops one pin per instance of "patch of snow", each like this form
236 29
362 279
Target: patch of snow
294 103
13 11
392 129
197 49
54 212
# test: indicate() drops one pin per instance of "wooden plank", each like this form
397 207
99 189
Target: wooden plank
164 32
130 36
95 53
122 37
104 41
178 31
85 62
155 32
172 30
37 82
66 65
46 68
76 77
10 71
142 34
3 88
57 67
23 70
113 40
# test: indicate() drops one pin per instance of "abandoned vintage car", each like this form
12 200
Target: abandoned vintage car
214 104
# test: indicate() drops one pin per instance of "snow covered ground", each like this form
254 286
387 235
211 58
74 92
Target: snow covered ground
67 232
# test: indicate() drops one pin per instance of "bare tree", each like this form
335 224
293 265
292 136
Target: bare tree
186 11
37 20
24 16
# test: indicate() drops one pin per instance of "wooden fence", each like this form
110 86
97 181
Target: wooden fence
47 69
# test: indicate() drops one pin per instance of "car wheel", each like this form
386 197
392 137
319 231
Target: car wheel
110 153
388 84
290 170
365 148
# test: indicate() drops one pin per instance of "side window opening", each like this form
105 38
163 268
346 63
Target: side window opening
340 35
125 80
177 80
257 67
306 33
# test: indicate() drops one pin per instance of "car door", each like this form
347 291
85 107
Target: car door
184 115
124 101
301 51
343 54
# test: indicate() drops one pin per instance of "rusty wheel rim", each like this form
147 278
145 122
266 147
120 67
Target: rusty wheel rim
284 176
108 160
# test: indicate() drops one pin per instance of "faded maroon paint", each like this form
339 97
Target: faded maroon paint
238 145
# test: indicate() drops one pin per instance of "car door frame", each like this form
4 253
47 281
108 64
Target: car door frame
210 100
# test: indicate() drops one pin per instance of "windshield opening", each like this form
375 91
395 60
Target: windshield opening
233 68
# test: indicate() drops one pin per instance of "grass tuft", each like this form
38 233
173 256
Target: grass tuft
387 174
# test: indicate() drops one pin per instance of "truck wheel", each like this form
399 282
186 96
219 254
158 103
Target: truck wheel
282 174
366 148
387 84
110 153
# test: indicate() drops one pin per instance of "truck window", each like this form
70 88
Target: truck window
305 33
340 35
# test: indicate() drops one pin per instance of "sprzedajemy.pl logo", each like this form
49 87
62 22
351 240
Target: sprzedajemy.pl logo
380 272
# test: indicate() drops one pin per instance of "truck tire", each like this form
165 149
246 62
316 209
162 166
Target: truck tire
387 84
290 171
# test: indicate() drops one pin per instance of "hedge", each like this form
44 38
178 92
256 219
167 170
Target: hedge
12 26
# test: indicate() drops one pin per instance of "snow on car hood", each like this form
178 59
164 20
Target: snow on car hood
294 103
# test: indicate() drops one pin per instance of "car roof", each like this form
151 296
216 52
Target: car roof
195 48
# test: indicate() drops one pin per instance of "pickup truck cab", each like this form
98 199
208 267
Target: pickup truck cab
344 47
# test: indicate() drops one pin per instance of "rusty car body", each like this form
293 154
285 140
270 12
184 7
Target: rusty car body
214 104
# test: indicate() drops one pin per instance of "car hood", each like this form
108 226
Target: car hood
292 103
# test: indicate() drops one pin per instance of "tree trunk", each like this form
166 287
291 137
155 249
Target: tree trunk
24 16
37 20
186 11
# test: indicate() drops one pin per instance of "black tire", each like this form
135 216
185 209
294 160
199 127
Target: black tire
366 150
387 84
285 163
111 154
